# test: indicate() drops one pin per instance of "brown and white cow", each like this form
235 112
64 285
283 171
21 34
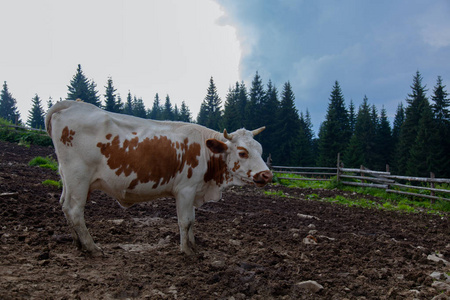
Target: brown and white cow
136 160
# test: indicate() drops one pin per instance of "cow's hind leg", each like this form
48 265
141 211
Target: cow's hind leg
73 200
75 238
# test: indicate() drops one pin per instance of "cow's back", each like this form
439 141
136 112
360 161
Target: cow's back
125 156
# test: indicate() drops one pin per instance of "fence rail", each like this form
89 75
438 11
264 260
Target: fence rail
312 175
369 178
23 128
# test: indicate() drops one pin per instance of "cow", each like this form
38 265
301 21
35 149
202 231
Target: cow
137 160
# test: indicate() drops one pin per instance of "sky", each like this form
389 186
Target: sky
173 47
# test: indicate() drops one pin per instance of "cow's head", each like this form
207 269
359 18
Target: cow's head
242 156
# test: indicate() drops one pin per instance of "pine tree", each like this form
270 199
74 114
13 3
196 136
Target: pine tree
185 114
210 114
93 96
49 103
156 111
269 114
417 101
139 108
441 103
81 88
305 141
254 106
334 133
232 117
425 153
8 106
399 119
383 142
361 149
176 113
288 125
128 108
119 104
110 97
167 111
440 106
351 116
36 114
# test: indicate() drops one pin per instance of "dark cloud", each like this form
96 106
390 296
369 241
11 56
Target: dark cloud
372 48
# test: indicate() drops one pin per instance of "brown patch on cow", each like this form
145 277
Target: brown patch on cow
248 173
236 166
153 159
134 133
217 170
189 173
108 136
67 136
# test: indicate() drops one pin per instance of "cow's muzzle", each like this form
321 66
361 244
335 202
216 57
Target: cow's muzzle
262 178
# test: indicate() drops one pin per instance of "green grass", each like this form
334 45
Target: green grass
54 183
44 162
23 136
387 201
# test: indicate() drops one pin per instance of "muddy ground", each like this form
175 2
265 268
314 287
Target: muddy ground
250 246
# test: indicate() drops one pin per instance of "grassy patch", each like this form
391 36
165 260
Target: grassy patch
54 183
23 136
44 162
275 193
388 201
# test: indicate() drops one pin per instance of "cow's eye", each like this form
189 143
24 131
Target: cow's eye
243 154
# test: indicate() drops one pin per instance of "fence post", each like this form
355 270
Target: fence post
432 176
338 166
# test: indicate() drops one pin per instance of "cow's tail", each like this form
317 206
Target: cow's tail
55 108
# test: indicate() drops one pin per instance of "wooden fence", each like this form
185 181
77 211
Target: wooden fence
364 177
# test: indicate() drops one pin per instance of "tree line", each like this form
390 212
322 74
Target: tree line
417 143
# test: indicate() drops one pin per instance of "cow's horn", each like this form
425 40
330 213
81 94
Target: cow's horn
226 135
258 131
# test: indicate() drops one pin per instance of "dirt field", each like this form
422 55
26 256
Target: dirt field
251 246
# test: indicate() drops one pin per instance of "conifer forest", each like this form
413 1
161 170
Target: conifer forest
415 144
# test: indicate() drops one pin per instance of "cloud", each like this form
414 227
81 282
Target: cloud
372 48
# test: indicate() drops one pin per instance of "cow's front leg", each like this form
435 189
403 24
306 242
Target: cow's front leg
186 218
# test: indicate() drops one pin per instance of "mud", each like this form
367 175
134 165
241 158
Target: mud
250 245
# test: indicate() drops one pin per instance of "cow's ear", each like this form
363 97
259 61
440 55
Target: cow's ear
216 146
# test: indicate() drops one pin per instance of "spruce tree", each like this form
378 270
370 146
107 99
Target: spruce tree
49 103
119 104
36 114
81 88
361 149
305 141
351 116
185 114
425 155
210 114
242 101
383 142
128 107
167 111
8 106
441 114
156 111
176 113
334 133
232 118
269 115
110 97
288 126
417 101
254 106
139 108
